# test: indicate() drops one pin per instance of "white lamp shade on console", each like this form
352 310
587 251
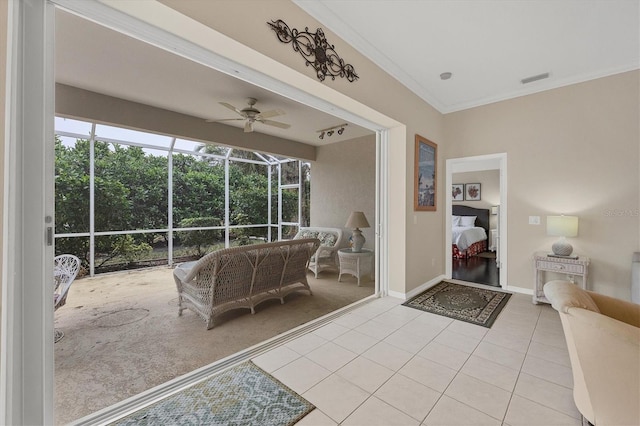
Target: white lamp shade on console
562 226
356 221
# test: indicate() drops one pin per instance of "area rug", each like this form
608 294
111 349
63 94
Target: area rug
242 395
462 302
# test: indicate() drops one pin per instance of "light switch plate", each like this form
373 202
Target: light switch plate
534 220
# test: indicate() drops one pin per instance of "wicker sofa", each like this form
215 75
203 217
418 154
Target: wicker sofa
331 240
242 277
603 338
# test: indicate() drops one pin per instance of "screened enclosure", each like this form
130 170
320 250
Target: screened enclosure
126 199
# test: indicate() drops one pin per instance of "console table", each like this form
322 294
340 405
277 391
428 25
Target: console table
543 263
357 264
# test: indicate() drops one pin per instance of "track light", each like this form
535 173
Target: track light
331 130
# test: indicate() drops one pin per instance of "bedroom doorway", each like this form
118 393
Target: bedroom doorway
476 203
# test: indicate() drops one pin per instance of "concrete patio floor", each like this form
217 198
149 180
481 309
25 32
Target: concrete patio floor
123 334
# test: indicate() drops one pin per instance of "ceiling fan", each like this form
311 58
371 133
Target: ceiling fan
251 115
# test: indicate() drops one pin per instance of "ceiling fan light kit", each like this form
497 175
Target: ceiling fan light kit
252 115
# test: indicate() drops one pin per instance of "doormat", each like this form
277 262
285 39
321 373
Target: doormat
462 302
242 395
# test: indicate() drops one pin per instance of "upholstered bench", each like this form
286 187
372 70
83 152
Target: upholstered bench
603 338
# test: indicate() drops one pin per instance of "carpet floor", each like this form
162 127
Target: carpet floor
123 334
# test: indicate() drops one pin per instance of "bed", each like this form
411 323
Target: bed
469 237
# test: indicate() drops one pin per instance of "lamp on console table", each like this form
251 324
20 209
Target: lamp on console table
356 221
562 226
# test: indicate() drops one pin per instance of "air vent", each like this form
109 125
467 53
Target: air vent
535 78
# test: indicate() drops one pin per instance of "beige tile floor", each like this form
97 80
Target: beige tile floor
387 364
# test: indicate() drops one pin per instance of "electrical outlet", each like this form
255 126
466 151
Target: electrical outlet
534 220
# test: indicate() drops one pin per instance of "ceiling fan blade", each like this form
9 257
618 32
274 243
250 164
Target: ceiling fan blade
275 124
224 119
271 113
248 127
232 108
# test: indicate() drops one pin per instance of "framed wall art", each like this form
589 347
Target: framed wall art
472 192
425 175
457 192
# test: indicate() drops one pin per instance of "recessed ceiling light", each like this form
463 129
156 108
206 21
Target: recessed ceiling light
445 75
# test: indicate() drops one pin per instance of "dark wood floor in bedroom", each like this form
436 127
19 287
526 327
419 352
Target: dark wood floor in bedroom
477 269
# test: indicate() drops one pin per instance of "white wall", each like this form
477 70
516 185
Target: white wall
571 150
343 179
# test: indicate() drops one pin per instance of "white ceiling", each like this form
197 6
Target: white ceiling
488 45
98 59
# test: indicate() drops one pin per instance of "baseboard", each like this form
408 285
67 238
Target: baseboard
521 290
417 290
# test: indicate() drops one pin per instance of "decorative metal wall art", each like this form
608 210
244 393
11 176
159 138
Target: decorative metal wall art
316 51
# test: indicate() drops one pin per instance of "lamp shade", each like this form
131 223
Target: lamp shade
357 220
562 226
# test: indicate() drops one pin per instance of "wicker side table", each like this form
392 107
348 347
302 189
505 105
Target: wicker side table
357 264
542 263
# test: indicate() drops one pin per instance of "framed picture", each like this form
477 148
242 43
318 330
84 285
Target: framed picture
472 192
425 175
457 192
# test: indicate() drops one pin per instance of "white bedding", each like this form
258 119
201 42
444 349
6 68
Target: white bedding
464 236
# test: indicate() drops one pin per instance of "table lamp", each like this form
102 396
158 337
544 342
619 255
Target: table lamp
356 221
562 226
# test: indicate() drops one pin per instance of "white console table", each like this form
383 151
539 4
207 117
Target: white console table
542 263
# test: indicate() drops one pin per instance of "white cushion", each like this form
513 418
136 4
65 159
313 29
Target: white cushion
455 221
468 220
564 295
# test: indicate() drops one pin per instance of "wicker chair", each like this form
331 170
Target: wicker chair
243 277
65 270
331 240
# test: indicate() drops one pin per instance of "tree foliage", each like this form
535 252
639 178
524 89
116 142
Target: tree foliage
131 193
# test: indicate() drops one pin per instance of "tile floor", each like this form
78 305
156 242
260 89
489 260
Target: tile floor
387 364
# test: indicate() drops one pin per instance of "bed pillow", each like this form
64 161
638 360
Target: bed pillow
468 220
455 221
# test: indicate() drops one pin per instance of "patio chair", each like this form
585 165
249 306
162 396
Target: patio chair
331 240
65 270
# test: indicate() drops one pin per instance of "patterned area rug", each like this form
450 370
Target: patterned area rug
465 303
242 395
